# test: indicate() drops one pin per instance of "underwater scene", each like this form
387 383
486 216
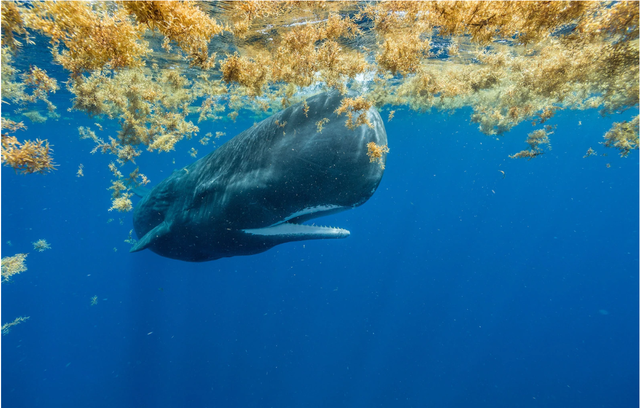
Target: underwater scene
320 204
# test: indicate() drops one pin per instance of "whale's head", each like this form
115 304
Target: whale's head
317 172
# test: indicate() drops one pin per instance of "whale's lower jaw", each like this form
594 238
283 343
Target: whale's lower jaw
297 232
291 229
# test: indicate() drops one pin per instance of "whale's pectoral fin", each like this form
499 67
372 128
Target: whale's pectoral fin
141 191
150 237
286 232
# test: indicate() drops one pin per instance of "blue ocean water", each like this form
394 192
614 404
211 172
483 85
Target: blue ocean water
459 286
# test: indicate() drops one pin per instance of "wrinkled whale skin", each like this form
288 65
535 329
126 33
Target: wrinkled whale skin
250 194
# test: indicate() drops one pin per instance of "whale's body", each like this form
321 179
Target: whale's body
253 192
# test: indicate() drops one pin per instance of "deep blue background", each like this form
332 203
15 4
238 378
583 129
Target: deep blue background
456 288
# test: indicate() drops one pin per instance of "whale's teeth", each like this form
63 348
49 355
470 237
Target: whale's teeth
300 231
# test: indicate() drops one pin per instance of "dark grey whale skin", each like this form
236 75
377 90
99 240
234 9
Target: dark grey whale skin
261 178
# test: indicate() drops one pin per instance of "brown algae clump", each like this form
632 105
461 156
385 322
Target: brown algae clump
182 23
355 105
27 157
535 139
13 265
623 136
89 36
376 153
6 328
41 245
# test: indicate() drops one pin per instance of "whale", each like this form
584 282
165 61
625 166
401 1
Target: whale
258 189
